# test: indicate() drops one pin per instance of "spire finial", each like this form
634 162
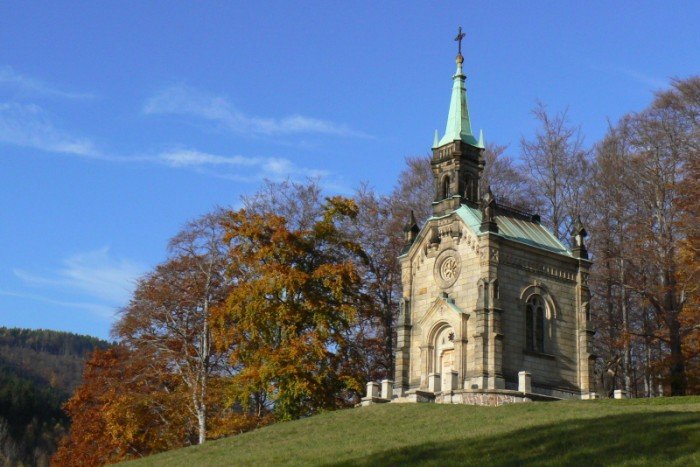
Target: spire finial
458 125
458 39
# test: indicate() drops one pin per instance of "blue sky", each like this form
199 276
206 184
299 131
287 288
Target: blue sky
120 121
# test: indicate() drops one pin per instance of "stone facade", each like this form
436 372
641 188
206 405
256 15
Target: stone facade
463 313
494 307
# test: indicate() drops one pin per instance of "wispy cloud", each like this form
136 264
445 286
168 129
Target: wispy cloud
103 311
241 168
10 78
28 125
94 273
642 78
633 75
184 100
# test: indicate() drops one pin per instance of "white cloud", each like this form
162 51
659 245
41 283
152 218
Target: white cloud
28 125
10 78
95 273
241 168
191 158
184 100
98 309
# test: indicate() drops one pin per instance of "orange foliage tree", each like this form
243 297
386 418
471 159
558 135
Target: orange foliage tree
123 409
291 311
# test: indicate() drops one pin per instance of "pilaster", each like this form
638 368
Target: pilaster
402 356
487 367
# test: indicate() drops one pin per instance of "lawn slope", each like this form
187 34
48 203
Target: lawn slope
664 431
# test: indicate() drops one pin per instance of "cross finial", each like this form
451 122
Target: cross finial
458 39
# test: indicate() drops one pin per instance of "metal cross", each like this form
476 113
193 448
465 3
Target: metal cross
460 36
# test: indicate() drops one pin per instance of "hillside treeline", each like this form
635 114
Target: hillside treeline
285 307
39 370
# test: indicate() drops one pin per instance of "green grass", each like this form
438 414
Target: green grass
664 431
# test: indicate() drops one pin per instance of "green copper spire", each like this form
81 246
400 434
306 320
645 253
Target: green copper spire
458 125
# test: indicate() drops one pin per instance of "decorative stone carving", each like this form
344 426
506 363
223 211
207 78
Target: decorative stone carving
447 268
490 254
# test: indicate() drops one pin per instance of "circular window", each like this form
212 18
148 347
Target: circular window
447 268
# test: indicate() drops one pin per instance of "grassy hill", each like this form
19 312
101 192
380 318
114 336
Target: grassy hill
664 431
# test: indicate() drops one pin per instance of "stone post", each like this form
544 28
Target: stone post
451 381
619 394
584 328
525 382
387 389
372 390
434 382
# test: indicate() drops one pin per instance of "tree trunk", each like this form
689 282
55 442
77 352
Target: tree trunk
626 353
678 377
202 423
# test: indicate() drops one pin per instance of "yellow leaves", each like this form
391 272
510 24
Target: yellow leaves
295 298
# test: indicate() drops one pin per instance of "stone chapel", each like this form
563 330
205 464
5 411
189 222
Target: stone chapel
494 307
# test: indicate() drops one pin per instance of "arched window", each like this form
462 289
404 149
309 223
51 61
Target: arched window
535 314
445 187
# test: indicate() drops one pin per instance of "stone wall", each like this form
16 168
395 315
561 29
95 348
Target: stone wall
524 270
492 399
424 289
520 270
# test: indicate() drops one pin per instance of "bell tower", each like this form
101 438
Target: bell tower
457 160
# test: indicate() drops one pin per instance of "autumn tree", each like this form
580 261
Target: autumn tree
614 213
666 140
643 223
164 386
377 231
299 203
127 406
557 163
295 299
168 317
507 179
414 191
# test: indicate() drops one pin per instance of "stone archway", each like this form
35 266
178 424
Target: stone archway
444 356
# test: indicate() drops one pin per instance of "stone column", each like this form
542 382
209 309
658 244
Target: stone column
584 329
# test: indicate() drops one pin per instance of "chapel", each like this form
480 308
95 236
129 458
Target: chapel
495 308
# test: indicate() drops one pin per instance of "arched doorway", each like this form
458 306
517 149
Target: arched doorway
445 354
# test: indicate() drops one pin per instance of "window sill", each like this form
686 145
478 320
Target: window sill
534 353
